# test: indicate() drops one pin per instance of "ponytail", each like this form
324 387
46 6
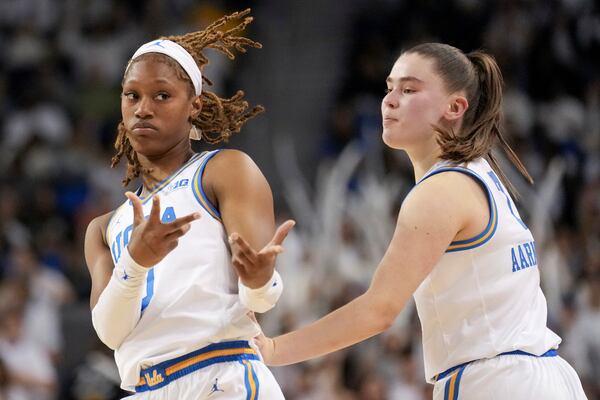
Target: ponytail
478 74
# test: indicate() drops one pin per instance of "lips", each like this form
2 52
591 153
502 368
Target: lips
143 126
387 120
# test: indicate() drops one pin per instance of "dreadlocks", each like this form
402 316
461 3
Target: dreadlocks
219 117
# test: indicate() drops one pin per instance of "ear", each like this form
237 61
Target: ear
457 107
196 107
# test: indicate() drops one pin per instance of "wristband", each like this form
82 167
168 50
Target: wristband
263 298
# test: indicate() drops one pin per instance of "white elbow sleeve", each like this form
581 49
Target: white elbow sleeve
119 306
264 298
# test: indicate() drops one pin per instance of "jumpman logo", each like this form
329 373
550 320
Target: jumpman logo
215 387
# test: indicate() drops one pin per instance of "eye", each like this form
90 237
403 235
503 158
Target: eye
130 96
387 90
408 91
162 96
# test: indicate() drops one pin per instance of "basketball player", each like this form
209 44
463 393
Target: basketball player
164 294
459 245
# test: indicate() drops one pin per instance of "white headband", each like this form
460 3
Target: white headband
177 53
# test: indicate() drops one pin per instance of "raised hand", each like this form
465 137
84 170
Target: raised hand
151 240
255 268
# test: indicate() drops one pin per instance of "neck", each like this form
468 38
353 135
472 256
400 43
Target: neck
164 165
423 159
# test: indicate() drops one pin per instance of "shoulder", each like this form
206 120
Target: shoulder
231 166
97 227
449 196
230 159
232 172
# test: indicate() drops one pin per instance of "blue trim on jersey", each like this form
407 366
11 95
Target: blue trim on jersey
162 374
549 353
168 180
149 289
490 229
159 187
199 191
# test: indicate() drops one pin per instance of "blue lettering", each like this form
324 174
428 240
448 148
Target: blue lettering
114 251
515 263
168 215
529 252
524 263
127 235
181 183
117 251
527 256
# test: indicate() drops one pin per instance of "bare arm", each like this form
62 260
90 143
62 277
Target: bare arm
244 198
434 213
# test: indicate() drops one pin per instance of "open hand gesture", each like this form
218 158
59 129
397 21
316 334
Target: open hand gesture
255 268
151 240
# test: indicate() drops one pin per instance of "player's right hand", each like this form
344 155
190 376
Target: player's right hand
151 240
266 346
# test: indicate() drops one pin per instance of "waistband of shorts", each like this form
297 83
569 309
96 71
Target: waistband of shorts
549 353
162 374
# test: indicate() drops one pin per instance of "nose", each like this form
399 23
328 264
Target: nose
390 100
144 108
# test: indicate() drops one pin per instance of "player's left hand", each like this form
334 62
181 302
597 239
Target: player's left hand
255 268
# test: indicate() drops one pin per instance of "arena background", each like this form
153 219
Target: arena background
321 76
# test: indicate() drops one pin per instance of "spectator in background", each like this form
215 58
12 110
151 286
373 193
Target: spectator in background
31 373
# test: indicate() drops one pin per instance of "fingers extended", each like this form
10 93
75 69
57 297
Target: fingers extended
240 246
180 222
138 211
179 232
155 211
271 250
283 231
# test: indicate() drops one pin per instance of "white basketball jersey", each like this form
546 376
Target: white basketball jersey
483 297
191 296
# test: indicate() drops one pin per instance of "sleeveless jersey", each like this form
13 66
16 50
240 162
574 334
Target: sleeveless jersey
191 297
483 297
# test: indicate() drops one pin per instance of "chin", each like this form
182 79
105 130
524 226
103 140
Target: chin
389 139
145 147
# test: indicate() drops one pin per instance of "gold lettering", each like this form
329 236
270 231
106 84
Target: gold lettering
155 379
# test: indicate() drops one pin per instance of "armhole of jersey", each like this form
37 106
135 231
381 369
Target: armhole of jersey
110 219
199 191
489 230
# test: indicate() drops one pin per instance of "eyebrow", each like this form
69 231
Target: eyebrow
389 79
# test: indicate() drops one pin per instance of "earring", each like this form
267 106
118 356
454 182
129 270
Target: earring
195 133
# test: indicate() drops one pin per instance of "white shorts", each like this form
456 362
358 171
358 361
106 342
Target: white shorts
219 371
248 380
512 377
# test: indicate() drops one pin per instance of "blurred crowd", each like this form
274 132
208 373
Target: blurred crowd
59 95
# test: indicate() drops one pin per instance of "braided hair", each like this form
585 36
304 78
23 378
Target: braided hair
220 117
